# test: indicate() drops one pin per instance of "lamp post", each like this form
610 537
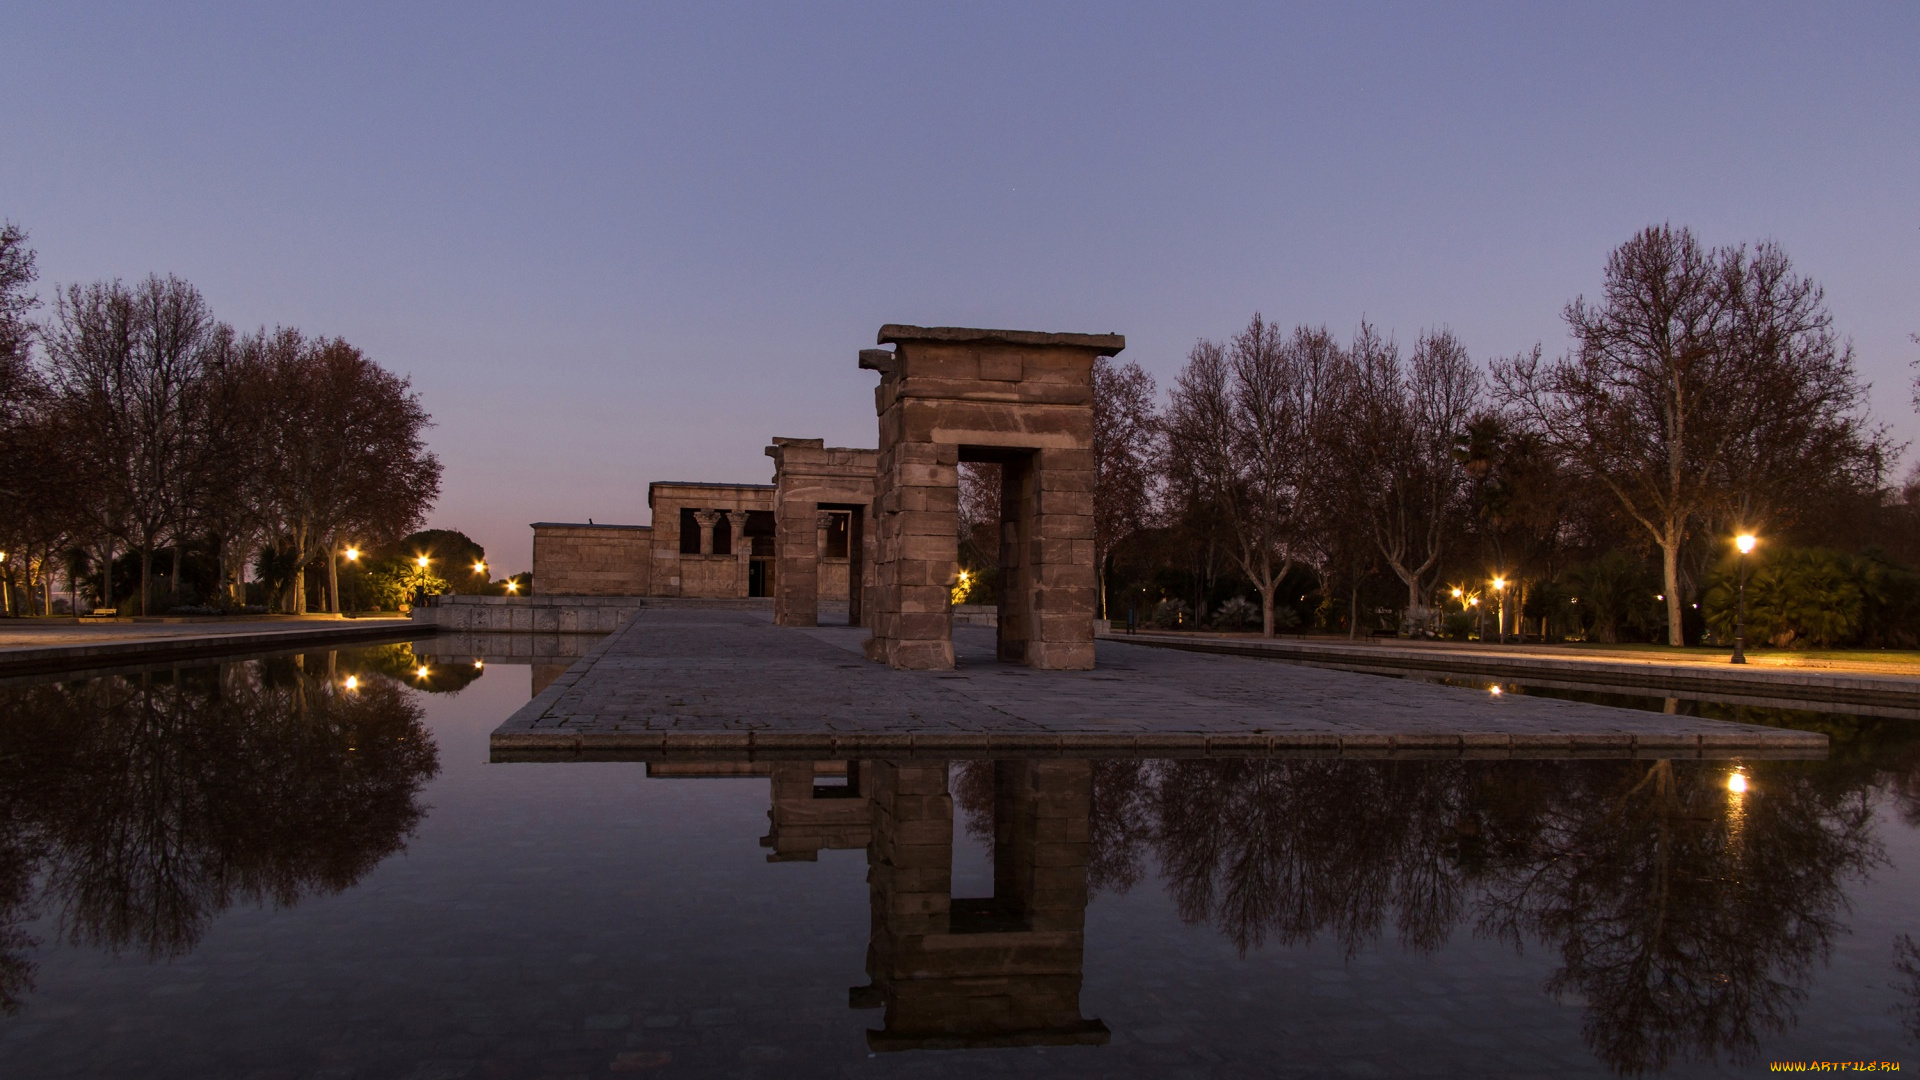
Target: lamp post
353 587
1743 544
1500 590
420 590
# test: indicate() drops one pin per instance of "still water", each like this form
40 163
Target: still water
249 870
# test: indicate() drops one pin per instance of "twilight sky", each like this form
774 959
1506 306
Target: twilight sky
617 243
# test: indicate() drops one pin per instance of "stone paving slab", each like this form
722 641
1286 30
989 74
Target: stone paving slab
728 682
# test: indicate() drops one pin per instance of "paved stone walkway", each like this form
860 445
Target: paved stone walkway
728 681
1680 674
28 647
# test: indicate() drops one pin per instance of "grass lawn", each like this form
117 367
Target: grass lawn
1761 655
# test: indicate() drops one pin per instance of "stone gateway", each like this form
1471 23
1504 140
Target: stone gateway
1023 400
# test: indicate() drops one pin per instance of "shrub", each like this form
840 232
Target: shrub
1172 613
1236 614
1796 598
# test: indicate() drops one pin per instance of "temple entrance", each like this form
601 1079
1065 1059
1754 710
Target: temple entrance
1025 402
822 499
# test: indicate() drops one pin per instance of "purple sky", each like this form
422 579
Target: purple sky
618 243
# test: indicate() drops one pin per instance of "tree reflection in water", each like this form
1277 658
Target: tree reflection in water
1687 917
1906 961
145 805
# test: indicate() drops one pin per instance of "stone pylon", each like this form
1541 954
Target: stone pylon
813 484
1023 400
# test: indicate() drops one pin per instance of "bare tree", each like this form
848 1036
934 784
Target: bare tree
1698 378
23 448
127 363
1804 432
1243 432
1125 430
1402 424
90 348
359 464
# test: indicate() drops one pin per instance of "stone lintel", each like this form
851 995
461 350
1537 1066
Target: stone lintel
899 333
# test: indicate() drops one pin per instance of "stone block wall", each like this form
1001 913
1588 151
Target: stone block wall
592 560
527 614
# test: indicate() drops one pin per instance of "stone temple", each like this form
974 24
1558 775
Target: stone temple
870 537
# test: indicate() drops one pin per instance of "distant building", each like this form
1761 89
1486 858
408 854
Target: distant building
713 541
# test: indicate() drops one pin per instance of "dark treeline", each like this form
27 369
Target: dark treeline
150 453
1294 479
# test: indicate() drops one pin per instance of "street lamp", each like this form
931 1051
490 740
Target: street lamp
353 586
1744 545
1500 589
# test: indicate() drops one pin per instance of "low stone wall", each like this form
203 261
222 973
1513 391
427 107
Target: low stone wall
528 614
976 615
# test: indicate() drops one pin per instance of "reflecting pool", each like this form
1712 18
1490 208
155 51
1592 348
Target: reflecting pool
304 866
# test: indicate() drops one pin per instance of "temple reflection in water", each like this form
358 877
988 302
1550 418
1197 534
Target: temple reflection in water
1688 913
950 971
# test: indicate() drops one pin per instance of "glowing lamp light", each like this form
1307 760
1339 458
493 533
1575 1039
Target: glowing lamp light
421 562
1456 594
1494 690
1737 783
1499 583
1745 542
352 683
479 568
421 671
513 586
478 664
353 554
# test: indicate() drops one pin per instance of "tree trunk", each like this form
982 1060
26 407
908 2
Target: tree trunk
333 583
297 605
1353 609
1101 568
146 578
1670 566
